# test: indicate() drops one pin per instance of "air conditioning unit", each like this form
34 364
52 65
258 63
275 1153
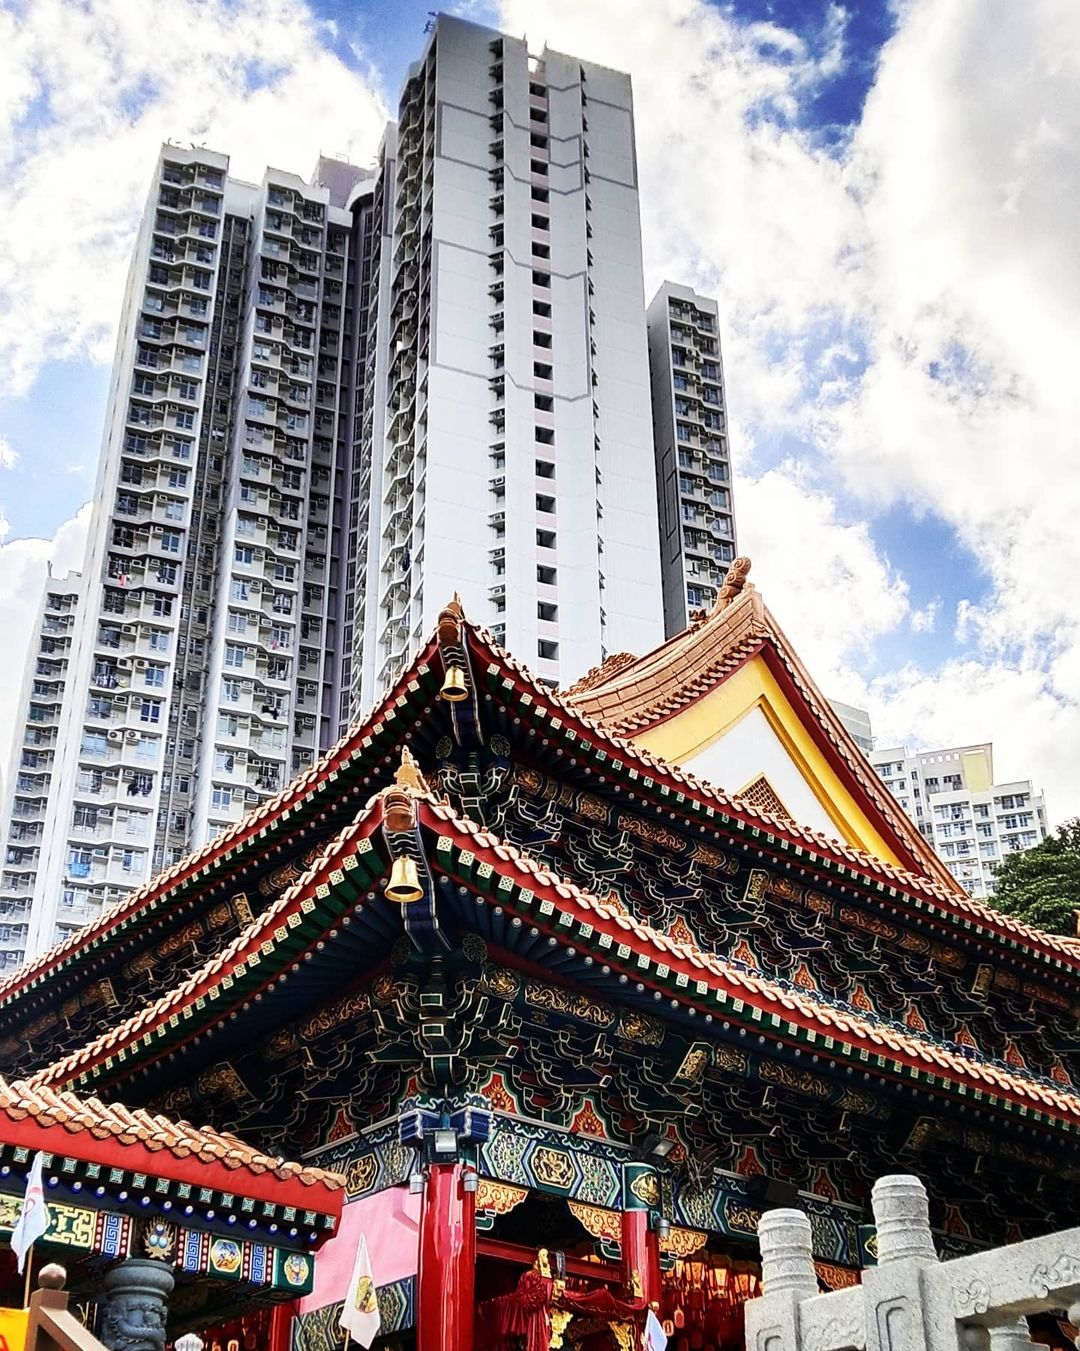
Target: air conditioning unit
499 482
133 738
251 796
124 661
256 587
130 629
116 735
141 664
157 529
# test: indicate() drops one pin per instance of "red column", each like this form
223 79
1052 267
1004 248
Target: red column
281 1317
641 1253
446 1285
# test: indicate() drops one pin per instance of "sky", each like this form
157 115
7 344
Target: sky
882 195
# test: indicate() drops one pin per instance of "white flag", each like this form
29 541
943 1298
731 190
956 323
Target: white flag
655 1338
34 1216
360 1315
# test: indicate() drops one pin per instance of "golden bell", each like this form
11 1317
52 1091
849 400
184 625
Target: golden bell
454 688
404 885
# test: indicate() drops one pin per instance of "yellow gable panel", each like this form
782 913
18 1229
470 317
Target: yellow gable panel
745 728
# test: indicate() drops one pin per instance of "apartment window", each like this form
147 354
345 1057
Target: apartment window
231 691
154 677
547 649
167 574
539 166
541 278
228 724
545 503
542 308
234 656
170 541
220 798
149 711
541 339
545 469
545 403
546 611
545 539
244 554
546 576
541 370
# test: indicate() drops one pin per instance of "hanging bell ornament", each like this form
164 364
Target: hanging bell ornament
404 885
454 688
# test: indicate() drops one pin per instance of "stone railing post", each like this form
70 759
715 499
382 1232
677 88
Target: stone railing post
902 1216
896 1317
787 1278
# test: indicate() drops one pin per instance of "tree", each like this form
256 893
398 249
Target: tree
1041 886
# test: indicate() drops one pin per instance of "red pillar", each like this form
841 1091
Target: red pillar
641 1253
281 1317
446 1285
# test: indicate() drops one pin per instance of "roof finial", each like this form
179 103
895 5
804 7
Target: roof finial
734 583
408 775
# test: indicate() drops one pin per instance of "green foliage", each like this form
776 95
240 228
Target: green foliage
1041 886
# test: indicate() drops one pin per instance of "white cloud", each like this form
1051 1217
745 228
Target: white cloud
88 91
825 582
909 308
8 454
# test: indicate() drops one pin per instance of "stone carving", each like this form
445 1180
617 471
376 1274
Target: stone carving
136 1305
836 1334
1065 1270
911 1300
971 1298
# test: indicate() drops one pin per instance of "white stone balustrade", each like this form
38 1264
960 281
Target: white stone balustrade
910 1301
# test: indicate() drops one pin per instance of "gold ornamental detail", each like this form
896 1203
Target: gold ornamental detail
499 1197
597 1221
553 1168
683 1242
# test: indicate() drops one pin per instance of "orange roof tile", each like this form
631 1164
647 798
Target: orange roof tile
25 1105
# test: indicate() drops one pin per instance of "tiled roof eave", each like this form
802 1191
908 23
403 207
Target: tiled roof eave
254 958
793 839
110 1135
714 986
202 864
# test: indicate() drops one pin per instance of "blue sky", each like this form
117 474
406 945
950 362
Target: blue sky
886 233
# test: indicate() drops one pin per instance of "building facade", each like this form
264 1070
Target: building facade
202 671
693 461
29 779
506 427
972 821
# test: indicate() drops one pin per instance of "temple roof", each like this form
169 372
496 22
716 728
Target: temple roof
579 725
342 886
629 696
37 1117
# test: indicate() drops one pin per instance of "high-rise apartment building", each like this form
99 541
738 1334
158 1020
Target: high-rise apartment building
201 674
29 781
507 436
693 462
970 820
334 403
